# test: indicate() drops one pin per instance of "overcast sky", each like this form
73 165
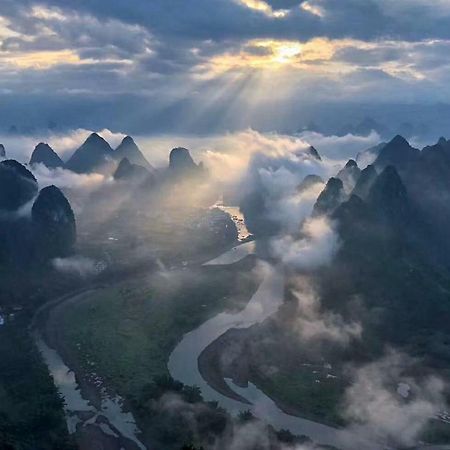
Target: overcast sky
199 66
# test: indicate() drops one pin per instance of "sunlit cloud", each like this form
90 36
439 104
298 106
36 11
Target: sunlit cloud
43 13
276 54
51 36
265 8
313 8
5 29
41 60
195 70
331 58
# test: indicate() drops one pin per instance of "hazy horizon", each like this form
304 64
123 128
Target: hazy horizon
223 65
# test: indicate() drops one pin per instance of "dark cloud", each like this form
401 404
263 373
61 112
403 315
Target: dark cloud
284 4
227 19
147 64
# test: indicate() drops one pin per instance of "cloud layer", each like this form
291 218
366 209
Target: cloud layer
216 65
379 413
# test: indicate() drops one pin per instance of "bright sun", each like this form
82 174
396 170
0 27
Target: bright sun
260 54
269 55
285 53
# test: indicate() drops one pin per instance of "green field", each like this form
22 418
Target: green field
31 414
125 333
307 391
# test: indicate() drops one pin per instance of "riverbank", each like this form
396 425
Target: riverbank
215 365
211 367
94 415
117 339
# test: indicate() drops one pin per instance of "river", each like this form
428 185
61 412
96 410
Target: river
183 366
183 362
238 219
109 417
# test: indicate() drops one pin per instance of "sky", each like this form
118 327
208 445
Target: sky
205 66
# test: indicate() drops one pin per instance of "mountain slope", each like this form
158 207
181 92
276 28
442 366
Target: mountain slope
349 175
92 156
314 153
17 185
54 223
330 198
399 153
133 173
129 149
44 154
365 182
402 292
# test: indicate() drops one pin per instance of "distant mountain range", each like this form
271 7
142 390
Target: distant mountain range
129 149
395 253
44 154
392 270
367 125
130 172
94 155
39 225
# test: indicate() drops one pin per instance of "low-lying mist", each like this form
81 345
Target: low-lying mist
167 219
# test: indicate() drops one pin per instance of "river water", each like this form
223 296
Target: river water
237 217
183 366
183 362
79 411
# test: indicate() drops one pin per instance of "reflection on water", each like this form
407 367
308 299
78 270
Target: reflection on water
234 255
111 408
238 219
266 409
66 384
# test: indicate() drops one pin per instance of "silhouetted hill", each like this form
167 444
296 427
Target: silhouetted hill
17 185
314 153
129 149
388 261
364 128
330 198
369 155
435 163
2 151
309 181
44 154
349 175
54 223
386 204
388 196
399 153
132 172
92 156
180 160
357 227
365 182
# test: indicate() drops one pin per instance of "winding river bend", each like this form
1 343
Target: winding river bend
183 366
183 362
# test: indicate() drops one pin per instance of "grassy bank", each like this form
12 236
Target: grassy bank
308 391
31 413
125 333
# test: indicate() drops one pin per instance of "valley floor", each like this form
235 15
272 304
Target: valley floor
118 339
